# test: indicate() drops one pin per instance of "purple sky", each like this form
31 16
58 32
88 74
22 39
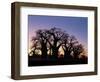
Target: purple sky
76 26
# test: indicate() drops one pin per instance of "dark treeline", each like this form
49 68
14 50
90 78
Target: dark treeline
46 48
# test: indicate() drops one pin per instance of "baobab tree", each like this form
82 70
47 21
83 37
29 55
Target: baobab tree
77 50
71 47
42 37
55 40
52 39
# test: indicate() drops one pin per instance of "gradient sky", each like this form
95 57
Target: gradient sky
76 26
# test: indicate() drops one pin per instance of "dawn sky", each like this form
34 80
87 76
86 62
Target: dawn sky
76 26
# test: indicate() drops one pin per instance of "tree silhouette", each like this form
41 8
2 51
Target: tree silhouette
68 45
55 40
77 50
42 39
49 41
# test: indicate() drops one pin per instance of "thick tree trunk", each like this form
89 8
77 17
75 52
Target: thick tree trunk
44 51
67 54
76 55
55 52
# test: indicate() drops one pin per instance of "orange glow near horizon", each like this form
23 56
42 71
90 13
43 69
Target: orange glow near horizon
61 51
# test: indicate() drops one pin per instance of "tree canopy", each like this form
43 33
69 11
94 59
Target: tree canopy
51 42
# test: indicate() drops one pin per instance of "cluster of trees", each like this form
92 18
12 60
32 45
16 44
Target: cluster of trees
46 44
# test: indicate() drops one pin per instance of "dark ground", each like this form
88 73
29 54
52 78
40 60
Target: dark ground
52 61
